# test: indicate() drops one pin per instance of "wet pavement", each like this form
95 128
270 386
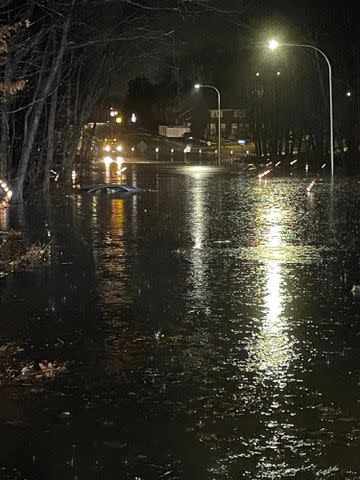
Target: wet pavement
207 323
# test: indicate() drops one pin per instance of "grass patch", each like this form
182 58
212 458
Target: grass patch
16 255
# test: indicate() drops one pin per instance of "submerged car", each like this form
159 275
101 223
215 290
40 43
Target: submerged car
112 188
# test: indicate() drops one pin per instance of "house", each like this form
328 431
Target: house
234 124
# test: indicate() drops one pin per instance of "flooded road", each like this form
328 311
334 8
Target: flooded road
208 324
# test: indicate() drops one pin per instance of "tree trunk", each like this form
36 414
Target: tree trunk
31 128
50 140
4 146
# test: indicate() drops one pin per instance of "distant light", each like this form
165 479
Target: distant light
118 120
107 148
306 167
157 149
277 163
8 192
257 74
323 165
133 149
216 151
278 73
133 118
197 86
119 148
348 93
293 161
172 150
187 149
241 142
113 113
200 151
107 161
273 44
119 160
247 152
231 152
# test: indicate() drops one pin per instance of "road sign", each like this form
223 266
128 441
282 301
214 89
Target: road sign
142 146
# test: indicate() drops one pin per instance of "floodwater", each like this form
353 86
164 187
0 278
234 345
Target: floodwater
208 324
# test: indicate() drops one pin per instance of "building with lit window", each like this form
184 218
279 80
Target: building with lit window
234 123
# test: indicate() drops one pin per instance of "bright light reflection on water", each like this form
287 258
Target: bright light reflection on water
272 351
208 324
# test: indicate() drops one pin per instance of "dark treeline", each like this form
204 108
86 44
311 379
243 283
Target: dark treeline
290 111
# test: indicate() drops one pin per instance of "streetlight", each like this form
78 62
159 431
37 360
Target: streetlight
197 86
273 44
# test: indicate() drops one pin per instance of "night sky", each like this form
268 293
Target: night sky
227 43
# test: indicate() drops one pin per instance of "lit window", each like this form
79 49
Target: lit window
214 113
212 129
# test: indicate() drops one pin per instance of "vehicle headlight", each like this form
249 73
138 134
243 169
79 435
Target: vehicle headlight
107 148
119 148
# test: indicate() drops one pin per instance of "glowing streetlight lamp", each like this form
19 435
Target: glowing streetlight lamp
197 86
273 44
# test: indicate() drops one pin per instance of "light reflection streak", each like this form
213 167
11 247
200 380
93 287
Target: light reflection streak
198 227
118 215
272 350
4 217
197 217
107 173
94 207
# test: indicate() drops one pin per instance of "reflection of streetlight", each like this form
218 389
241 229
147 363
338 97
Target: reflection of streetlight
197 86
273 44
107 161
